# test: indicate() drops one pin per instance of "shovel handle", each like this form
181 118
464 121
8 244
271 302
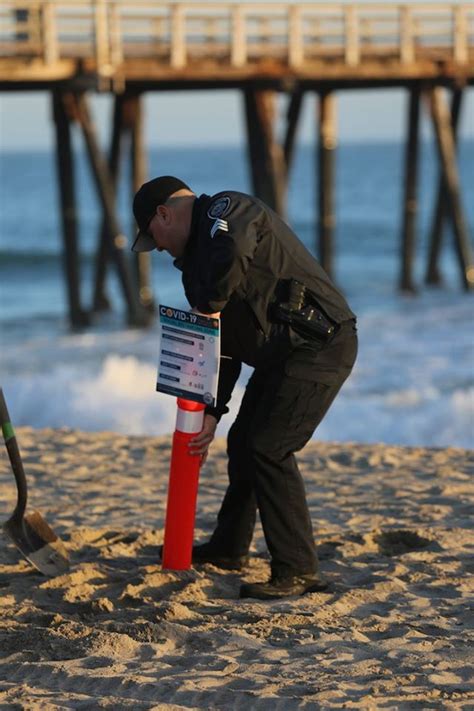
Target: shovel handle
14 456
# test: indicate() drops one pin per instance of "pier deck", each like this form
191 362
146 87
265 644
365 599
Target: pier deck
224 44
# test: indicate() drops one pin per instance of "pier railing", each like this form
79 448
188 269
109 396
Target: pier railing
108 33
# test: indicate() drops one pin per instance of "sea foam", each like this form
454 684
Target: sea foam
412 384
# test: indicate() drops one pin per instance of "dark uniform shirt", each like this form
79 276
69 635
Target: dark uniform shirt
238 255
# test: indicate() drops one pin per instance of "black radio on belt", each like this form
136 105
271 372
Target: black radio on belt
304 317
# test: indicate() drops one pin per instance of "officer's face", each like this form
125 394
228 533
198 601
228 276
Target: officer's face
162 229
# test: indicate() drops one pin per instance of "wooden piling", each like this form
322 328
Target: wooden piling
67 199
265 155
139 176
292 118
100 300
410 196
433 273
447 155
325 159
104 185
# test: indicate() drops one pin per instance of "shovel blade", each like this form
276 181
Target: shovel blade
38 543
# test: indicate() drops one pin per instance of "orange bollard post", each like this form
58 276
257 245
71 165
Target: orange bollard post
182 488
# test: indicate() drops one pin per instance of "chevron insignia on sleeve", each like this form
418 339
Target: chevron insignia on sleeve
221 225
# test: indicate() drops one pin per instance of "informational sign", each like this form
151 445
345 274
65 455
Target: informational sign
188 364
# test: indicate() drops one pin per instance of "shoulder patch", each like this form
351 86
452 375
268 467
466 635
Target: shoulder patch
219 207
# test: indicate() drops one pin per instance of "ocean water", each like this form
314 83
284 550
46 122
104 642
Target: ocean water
413 383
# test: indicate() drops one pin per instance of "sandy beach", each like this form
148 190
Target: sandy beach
393 527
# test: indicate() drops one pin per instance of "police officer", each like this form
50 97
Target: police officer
280 314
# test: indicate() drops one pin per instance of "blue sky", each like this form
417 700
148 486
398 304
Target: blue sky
216 117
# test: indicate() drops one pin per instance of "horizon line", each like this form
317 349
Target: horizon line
243 145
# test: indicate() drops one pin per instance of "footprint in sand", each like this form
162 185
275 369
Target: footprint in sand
398 542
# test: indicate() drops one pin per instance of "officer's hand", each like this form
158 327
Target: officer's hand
194 310
199 445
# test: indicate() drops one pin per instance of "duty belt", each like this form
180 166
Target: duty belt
304 315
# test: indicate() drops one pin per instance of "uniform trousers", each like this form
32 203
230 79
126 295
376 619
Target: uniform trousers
281 408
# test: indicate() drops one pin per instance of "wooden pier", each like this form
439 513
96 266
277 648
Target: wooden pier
71 48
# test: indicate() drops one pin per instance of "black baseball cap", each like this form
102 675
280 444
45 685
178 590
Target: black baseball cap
155 192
